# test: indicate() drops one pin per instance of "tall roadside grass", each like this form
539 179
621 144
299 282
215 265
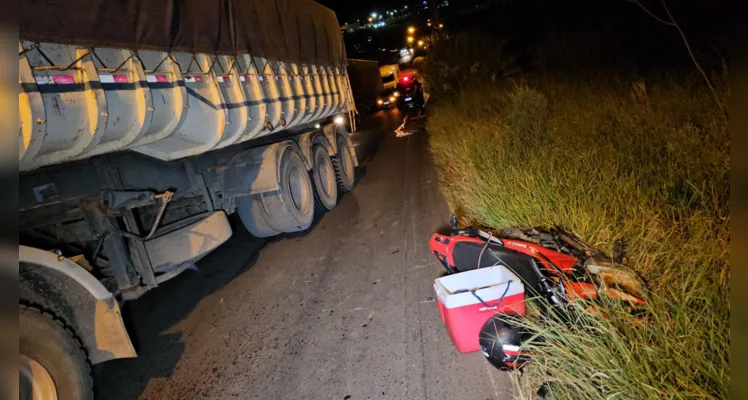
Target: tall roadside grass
610 158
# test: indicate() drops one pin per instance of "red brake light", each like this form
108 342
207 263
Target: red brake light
405 78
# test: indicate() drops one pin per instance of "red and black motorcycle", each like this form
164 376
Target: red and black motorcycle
556 267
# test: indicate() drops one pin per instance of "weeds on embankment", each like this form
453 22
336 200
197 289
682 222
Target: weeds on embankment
610 158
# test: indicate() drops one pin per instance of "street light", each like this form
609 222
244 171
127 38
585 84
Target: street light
410 39
373 15
420 42
411 29
441 26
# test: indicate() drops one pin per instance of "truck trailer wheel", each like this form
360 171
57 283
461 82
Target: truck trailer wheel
52 362
291 208
345 169
323 176
254 216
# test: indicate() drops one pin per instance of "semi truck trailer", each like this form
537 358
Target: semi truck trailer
143 126
366 82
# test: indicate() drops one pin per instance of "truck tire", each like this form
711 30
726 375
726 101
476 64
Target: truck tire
53 362
291 208
325 181
254 216
345 170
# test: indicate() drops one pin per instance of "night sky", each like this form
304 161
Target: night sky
701 11
616 24
349 10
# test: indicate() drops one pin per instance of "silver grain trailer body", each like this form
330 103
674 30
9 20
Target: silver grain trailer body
142 126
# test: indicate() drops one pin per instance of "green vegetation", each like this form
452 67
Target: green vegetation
609 157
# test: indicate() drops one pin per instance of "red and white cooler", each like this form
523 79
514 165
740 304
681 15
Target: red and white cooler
468 299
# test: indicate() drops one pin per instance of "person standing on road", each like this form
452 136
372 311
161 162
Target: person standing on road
418 98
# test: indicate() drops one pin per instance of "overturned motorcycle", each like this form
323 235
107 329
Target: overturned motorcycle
556 270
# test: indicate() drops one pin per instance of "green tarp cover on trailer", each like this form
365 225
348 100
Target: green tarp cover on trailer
300 31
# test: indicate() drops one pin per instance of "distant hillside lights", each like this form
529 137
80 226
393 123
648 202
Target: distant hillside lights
376 20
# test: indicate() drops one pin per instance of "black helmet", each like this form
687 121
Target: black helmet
500 343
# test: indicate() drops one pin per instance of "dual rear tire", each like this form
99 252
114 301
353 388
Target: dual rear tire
324 178
291 208
345 167
288 209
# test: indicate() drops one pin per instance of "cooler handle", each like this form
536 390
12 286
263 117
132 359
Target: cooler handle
509 283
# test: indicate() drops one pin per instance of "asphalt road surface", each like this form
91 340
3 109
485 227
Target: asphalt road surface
343 311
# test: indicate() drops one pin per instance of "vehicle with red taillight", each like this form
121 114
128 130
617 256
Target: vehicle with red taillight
411 92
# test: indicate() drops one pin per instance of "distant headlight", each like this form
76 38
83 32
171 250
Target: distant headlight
380 101
396 94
